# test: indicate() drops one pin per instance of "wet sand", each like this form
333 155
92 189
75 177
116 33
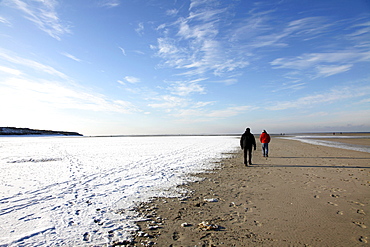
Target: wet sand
302 195
362 141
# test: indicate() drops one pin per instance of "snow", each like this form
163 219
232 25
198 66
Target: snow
77 191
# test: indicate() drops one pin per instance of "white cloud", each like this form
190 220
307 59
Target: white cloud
365 101
262 29
122 50
10 70
140 28
360 35
139 52
322 64
201 104
197 3
169 102
230 111
109 3
121 82
291 86
132 79
184 89
228 82
71 56
42 94
39 67
4 21
191 45
324 71
334 95
308 27
195 114
43 14
172 12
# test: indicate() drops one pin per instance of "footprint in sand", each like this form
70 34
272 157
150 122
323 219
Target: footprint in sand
333 204
248 210
257 223
86 236
358 203
360 211
360 224
340 212
175 236
363 239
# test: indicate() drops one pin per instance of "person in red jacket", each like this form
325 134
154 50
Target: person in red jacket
265 140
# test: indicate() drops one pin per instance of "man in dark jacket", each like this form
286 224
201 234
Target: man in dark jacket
247 141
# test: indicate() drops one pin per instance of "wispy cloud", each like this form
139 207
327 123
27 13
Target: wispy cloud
43 15
109 3
172 12
325 71
169 102
360 34
230 111
190 44
334 95
5 21
57 96
71 56
132 79
197 44
140 28
289 86
39 67
122 50
263 30
11 71
322 64
194 115
184 89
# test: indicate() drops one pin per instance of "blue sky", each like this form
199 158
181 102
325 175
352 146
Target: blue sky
105 67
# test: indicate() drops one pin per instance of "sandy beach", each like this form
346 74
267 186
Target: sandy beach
302 195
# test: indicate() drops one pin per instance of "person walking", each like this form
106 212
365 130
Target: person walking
265 140
247 141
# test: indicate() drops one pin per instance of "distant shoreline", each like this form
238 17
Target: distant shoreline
239 134
13 131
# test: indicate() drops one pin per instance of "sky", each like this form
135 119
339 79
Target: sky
122 67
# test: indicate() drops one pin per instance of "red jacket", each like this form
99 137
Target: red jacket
264 138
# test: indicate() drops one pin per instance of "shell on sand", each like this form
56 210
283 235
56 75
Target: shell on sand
205 226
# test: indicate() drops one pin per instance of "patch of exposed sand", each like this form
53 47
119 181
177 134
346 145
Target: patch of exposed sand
302 195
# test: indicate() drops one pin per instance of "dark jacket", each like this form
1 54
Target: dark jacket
247 141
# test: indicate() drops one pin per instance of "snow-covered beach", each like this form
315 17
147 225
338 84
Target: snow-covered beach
81 190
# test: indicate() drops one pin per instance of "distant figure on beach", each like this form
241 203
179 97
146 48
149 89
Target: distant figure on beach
265 140
247 141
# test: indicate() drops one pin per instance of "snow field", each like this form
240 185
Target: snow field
77 191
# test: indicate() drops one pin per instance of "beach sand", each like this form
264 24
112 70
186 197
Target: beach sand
302 195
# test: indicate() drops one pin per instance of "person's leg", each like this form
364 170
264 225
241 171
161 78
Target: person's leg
267 149
263 150
245 156
250 156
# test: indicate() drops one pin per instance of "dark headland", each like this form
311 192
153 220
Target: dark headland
27 131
